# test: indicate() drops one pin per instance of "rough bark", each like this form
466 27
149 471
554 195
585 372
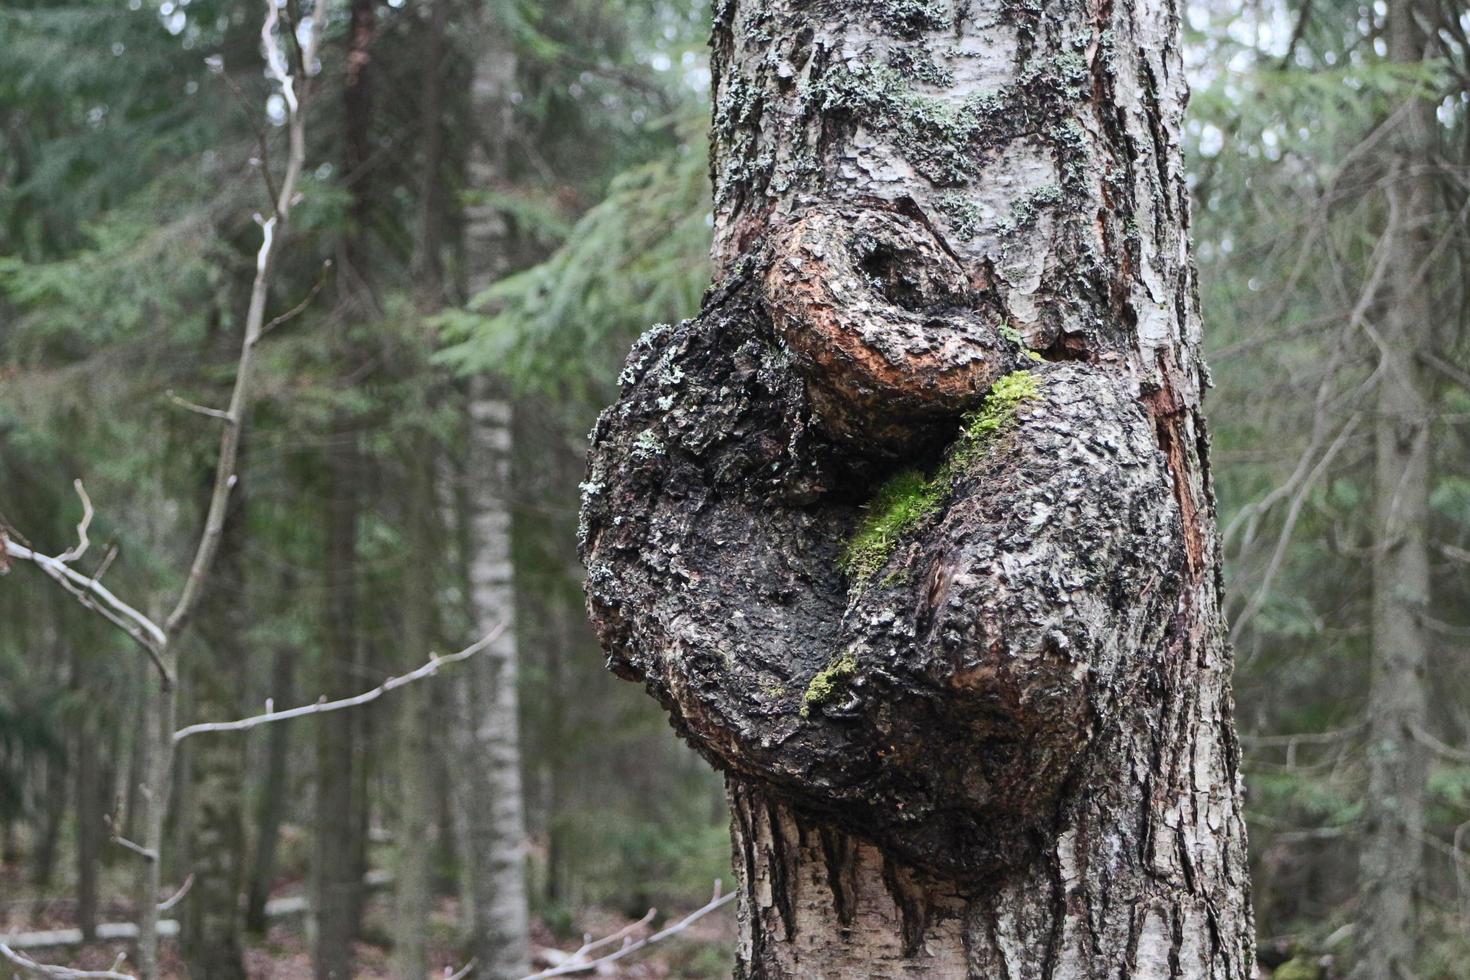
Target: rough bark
1391 865
213 820
911 531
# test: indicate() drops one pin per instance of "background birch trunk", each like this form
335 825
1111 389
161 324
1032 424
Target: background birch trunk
492 823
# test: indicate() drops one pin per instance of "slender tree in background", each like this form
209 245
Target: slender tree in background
1333 234
89 810
844 519
273 797
340 831
489 776
214 822
413 885
1393 848
159 640
140 129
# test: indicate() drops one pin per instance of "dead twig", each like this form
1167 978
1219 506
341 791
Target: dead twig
177 896
31 968
299 307
83 542
578 963
271 716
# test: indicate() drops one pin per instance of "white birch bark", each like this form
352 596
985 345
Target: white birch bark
492 821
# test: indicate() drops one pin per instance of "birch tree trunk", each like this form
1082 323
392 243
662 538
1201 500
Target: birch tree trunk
1391 865
492 823
489 781
912 531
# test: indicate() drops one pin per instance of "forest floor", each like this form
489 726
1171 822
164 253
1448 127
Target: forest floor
701 952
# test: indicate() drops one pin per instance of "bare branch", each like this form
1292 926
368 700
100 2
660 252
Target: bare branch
217 66
1439 748
33 969
80 549
1457 375
1278 554
1301 738
271 716
271 229
177 896
98 598
579 964
137 849
213 413
102 566
296 310
461 973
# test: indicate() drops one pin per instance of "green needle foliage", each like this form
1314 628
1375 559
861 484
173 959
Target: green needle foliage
638 257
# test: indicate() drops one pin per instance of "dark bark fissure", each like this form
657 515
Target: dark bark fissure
944 610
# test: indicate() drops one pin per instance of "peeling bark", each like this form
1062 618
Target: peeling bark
954 319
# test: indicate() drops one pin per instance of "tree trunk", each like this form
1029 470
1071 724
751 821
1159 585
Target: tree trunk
91 812
1392 859
415 846
157 724
335 870
340 817
489 749
414 894
911 531
270 808
43 866
492 820
213 817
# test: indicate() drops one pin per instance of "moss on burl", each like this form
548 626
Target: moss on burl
900 504
827 681
906 499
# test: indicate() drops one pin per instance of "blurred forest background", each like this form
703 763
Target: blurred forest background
500 195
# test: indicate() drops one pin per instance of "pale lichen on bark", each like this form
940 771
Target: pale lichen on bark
997 743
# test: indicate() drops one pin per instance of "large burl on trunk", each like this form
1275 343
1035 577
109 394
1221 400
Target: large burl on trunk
911 530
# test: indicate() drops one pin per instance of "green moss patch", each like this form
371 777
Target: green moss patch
899 506
980 427
906 499
827 682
